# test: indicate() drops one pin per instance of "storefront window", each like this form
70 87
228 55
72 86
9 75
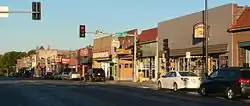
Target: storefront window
126 66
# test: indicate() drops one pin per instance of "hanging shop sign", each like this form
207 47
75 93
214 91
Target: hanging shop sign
198 30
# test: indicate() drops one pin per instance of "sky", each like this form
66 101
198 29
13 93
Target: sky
60 22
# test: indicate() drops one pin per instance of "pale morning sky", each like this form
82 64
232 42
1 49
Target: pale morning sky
61 19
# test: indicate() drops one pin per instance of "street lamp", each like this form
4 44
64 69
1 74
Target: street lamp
206 36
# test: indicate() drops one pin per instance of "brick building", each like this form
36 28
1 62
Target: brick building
240 30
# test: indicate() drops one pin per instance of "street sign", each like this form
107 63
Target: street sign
120 34
188 55
115 43
4 9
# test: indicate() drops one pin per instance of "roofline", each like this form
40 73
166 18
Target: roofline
239 29
146 42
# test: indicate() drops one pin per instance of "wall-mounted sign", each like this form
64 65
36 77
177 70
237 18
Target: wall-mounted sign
65 61
198 30
123 51
84 52
58 59
188 55
101 55
115 42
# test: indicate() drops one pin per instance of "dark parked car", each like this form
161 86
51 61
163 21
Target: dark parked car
230 82
49 75
95 74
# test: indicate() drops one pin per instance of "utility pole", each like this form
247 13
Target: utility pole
134 59
206 36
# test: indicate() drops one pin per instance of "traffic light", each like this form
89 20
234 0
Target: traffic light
82 31
138 49
36 10
166 52
132 51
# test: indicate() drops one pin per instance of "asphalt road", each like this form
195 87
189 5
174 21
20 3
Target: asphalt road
70 93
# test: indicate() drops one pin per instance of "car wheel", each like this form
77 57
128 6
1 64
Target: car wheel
159 86
230 94
91 79
85 79
175 87
202 91
103 80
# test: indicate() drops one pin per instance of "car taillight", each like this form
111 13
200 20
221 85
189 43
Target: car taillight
244 81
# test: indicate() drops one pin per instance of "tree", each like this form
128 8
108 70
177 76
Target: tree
8 60
42 48
31 52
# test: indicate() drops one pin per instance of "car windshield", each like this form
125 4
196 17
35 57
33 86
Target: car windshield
98 70
187 74
66 72
75 72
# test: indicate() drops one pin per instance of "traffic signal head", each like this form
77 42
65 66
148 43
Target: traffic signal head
82 31
36 10
139 54
165 45
137 41
132 51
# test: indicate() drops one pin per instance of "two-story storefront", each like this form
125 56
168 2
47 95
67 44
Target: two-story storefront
180 34
240 30
85 59
125 58
102 55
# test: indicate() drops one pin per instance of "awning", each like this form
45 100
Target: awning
244 44
85 60
220 48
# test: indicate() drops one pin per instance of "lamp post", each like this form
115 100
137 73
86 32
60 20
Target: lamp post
206 36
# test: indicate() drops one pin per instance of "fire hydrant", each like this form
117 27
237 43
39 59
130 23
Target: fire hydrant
140 76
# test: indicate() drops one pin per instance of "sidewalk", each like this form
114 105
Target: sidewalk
148 84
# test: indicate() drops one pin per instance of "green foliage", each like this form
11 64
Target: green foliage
8 60
31 52
42 48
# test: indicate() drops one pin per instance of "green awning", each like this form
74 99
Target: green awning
244 44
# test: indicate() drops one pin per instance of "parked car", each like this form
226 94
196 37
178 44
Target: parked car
176 80
65 75
49 75
57 76
229 82
75 76
95 74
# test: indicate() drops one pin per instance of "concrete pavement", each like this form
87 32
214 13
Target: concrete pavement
73 93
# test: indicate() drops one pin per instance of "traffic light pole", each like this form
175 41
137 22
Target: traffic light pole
134 60
18 12
36 11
